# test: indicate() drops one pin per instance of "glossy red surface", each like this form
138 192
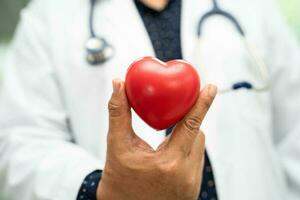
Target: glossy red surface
161 93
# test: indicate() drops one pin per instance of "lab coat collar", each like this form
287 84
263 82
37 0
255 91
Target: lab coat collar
189 23
133 26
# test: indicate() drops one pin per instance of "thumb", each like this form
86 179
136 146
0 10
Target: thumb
119 110
187 129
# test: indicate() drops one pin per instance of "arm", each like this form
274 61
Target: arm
284 62
37 158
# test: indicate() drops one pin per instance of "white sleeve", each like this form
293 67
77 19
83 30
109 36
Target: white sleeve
283 59
37 158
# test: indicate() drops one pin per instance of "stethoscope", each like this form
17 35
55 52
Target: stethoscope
99 50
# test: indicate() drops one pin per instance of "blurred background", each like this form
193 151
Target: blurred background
9 15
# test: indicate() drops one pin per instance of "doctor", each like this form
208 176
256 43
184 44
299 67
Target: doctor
53 104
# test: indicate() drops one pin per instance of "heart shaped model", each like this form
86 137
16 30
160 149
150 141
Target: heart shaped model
161 93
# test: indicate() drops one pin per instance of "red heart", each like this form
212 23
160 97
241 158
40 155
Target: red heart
161 93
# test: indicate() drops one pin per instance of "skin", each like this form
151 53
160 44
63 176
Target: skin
135 171
157 5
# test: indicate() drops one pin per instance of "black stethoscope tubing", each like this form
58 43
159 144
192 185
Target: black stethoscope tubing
99 50
96 54
216 10
91 18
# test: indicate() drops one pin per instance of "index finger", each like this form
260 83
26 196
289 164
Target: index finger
186 130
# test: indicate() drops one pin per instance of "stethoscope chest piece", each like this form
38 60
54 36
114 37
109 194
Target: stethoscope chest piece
98 51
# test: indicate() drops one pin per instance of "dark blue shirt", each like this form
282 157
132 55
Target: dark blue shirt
163 29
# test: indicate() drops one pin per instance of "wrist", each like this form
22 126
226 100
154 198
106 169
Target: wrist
108 189
104 192
101 195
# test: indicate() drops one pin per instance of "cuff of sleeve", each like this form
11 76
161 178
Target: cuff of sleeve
88 189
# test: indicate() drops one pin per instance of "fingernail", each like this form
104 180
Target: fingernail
212 90
116 86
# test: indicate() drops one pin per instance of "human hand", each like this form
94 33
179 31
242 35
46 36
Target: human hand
135 171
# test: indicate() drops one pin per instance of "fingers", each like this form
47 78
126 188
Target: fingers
121 135
119 112
186 130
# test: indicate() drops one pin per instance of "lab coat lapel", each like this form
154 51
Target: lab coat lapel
132 26
191 12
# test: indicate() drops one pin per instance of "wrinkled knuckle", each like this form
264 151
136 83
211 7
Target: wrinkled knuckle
192 124
114 109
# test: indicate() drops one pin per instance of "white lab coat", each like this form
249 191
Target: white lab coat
53 116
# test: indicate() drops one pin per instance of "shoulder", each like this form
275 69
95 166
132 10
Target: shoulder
54 9
53 17
255 14
254 9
